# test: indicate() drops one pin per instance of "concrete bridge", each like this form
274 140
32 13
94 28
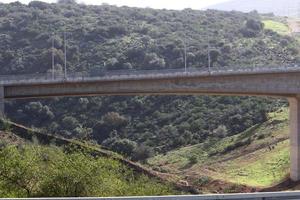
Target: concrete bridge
273 82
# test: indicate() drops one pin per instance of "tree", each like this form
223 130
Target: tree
221 131
70 123
254 25
83 133
142 153
123 146
214 54
114 119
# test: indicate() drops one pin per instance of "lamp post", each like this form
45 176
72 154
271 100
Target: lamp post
185 53
208 56
65 60
53 56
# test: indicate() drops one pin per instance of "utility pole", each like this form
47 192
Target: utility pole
52 55
65 52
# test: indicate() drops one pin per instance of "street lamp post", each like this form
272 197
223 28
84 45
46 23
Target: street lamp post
52 55
208 56
65 60
185 54
185 51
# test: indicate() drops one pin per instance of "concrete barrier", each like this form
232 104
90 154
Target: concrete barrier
252 196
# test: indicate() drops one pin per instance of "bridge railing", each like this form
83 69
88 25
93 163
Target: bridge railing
254 196
111 74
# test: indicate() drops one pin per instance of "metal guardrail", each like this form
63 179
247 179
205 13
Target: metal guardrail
131 73
254 196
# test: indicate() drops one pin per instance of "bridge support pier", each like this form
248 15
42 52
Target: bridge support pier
295 137
2 114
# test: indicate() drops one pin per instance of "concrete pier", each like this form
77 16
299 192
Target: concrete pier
2 102
295 137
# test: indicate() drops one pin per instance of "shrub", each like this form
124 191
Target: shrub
193 159
221 131
142 153
37 171
203 180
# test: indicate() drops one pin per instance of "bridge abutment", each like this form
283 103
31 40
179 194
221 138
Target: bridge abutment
295 137
1 102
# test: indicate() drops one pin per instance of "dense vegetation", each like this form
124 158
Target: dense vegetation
40 171
107 38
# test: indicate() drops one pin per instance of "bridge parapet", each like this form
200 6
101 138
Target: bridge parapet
139 74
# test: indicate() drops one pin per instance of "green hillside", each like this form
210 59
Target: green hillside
108 38
182 135
276 26
30 169
257 157
35 171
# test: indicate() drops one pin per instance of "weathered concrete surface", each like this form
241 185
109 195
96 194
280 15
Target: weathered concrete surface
284 84
295 137
1 102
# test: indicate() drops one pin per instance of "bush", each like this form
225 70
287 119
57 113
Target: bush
36 171
238 144
122 146
193 159
203 180
254 25
221 131
142 153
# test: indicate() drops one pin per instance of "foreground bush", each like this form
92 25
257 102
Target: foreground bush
38 171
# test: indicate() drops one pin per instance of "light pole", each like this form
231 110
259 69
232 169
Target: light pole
208 53
208 56
65 60
52 55
185 53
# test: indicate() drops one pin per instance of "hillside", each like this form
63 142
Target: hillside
279 7
257 157
33 162
101 38
108 38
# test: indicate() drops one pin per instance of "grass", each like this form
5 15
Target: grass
260 161
278 27
262 168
